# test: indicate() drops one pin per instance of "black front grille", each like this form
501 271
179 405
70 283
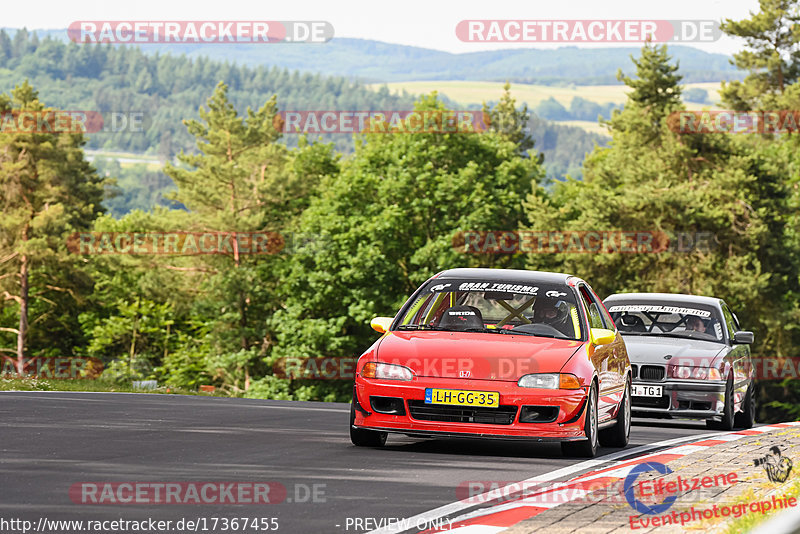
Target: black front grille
651 402
538 414
387 405
635 371
694 405
652 372
502 415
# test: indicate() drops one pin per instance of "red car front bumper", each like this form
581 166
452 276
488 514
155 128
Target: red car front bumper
567 425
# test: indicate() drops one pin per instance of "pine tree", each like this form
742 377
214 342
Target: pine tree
511 122
772 57
651 179
241 180
655 88
47 191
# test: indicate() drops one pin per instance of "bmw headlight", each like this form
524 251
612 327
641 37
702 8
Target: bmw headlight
696 373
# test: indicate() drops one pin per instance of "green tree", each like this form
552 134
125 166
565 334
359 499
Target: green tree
772 57
243 180
651 179
552 109
47 191
510 121
655 87
385 224
140 309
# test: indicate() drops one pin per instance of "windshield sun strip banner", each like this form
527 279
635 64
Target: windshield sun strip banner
659 309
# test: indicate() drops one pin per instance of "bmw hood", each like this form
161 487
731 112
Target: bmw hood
690 352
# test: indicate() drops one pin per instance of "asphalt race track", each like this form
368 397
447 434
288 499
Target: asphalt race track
52 440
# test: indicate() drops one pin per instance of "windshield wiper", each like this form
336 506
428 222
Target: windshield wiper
522 333
484 330
502 331
678 335
510 332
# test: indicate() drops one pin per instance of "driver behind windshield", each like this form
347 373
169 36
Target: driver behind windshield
695 323
552 313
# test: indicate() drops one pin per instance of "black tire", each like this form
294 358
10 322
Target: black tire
727 412
619 434
364 438
586 448
747 418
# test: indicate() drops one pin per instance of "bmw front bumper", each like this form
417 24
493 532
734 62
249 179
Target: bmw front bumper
695 399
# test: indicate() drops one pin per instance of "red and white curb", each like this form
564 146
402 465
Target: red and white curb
528 502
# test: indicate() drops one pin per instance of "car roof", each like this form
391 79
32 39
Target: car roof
507 275
666 297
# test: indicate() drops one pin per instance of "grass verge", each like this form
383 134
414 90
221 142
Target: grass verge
35 384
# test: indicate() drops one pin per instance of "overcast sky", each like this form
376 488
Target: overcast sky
424 23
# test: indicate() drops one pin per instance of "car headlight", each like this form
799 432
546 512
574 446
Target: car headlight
549 381
386 371
696 373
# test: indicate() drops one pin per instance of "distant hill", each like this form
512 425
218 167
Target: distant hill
167 89
374 61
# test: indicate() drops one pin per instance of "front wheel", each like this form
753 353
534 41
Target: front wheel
362 437
727 412
588 447
619 434
747 418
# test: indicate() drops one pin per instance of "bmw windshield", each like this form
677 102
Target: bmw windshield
665 319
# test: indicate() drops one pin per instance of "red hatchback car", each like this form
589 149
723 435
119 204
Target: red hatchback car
496 353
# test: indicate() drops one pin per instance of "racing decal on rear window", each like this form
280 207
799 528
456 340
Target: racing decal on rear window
487 286
439 287
659 309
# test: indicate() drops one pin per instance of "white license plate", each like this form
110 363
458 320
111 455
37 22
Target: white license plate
647 391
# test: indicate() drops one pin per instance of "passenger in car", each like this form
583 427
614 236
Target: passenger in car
695 323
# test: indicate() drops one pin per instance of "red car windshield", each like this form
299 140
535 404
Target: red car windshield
545 310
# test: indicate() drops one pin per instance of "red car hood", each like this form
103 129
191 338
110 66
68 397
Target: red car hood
475 355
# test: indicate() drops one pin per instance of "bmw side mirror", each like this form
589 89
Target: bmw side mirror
743 337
